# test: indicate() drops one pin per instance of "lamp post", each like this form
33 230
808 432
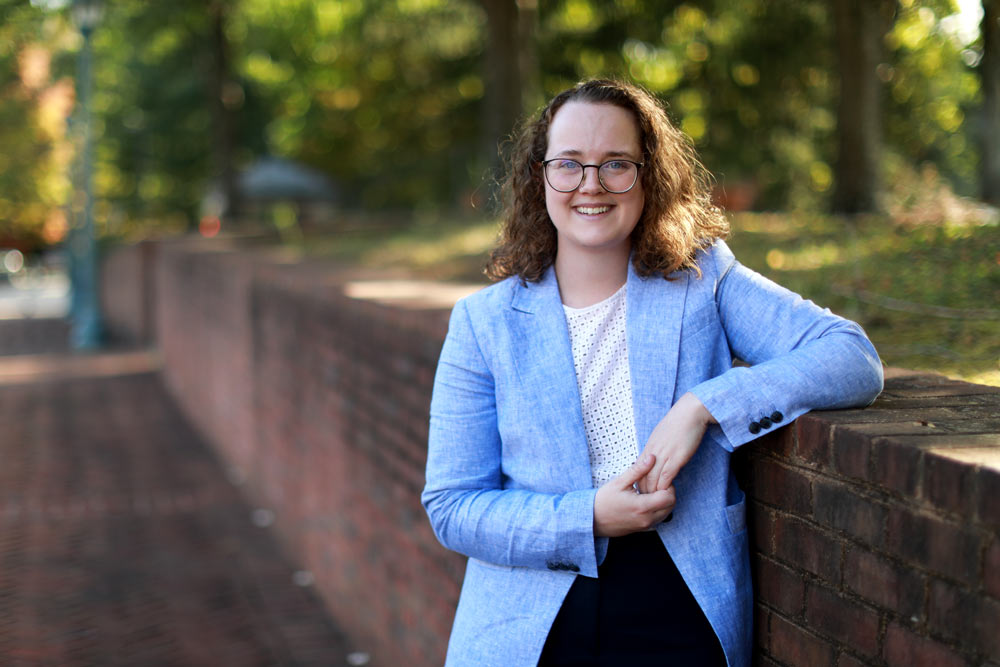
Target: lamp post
86 325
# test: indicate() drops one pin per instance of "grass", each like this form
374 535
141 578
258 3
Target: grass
928 295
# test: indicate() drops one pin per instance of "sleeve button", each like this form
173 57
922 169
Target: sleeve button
754 428
776 417
765 422
572 567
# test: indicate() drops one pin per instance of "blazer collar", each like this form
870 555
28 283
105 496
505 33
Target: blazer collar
532 297
655 310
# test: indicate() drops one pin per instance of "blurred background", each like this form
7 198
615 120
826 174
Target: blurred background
856 145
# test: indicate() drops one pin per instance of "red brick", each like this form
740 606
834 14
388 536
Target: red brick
782 486
794 646
803 545
847 660
929 385
761 627
884 583
841 507
780 442
959 614
949 484
988 505
812 437
764 661
779 587
899 423
991 569
829 613
904 648
761 524
934 544
898 466
852 454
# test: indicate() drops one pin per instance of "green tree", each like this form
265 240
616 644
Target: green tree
35 100
989 69
861 26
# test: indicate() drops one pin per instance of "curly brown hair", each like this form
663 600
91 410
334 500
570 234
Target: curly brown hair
678 217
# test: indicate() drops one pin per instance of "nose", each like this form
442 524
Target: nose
591 183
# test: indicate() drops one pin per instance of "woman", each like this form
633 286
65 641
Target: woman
585 406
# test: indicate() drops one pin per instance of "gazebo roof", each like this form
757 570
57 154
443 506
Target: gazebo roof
277 178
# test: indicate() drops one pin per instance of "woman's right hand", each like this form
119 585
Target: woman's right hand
620 510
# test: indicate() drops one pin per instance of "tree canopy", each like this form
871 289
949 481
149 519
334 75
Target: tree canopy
391 98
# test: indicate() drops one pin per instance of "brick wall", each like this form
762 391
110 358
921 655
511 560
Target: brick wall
127 291
876 530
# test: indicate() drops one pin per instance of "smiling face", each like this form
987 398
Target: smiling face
590 219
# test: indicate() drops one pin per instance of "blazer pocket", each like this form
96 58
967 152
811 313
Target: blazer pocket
736 515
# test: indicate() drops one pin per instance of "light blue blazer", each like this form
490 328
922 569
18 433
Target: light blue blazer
508 471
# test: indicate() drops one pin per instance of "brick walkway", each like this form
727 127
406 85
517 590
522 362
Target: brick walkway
122 542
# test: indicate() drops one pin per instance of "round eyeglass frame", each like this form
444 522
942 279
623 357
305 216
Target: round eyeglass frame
583 173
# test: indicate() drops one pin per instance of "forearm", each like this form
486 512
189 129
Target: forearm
839 370
515 526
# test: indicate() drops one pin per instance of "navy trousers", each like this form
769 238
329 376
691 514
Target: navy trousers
638 611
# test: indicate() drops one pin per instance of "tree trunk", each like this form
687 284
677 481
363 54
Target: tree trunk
222 99
860 27
502 99
531 89
989 70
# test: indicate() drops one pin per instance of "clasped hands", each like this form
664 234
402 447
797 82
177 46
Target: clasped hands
618 509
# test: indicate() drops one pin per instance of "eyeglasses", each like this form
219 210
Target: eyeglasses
616 176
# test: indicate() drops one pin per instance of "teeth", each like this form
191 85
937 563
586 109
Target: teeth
593 210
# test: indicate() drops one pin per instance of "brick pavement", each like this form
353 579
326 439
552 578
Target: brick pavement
123 543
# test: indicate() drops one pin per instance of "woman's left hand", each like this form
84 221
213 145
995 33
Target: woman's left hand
674 441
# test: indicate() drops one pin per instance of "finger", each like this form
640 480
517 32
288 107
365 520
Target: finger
658 506
648 483
656 502
636 471
667 474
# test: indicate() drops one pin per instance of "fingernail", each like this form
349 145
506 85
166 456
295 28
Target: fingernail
646 458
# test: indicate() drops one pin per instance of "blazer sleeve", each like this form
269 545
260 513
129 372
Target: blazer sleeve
469 509
801 357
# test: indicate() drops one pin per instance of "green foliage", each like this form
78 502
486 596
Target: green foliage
383 95
933 92
755 101
892 278
927 295
152 92
33 107
386 96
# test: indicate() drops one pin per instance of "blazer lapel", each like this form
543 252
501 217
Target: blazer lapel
543 357
655 309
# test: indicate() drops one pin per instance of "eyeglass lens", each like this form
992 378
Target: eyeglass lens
617 176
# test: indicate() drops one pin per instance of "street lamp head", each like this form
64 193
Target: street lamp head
87 14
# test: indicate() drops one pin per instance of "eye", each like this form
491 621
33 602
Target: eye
616 165
566 165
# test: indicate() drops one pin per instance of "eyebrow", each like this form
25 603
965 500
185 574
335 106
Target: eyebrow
573 152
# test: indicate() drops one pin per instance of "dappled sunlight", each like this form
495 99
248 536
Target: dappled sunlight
36 368
808 258
416 294
987 456
926 294
436 249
